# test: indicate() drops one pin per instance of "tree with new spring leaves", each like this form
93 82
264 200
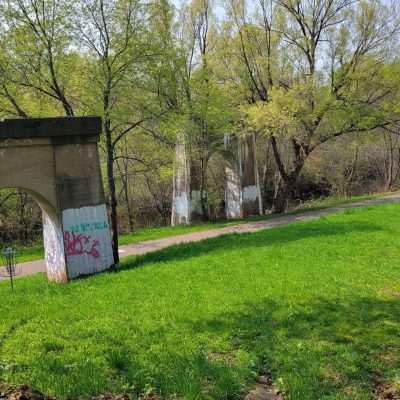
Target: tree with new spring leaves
329 76
297 74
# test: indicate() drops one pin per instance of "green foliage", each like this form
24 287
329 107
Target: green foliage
290 111
155 72
281 115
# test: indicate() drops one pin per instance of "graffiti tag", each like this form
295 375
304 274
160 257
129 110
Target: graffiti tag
89 227
77 244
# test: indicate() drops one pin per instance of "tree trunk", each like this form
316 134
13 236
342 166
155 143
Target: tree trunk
128 206
198 191
203 191
23 228
389 163
282 197
265 178
126 189
288 179
112 189
251 193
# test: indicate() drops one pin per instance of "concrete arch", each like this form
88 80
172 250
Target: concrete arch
52 235
242 186
56 160
44 205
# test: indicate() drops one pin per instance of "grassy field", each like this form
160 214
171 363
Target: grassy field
316 305
32 253
25 254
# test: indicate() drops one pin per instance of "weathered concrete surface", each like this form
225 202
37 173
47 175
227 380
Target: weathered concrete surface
233 185
195 208
251 193
154 245
49 127
186 201
180 201
56 160
242 188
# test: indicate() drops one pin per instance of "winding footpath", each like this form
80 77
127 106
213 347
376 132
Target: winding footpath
34 267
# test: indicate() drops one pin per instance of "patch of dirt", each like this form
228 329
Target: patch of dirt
387 392
390 356
350 391
264 390
222 356
332 375
24 392
384 390
21 392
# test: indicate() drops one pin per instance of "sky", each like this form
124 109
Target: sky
218 8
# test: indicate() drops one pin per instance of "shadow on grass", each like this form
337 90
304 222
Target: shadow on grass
324 349
275 237
317 349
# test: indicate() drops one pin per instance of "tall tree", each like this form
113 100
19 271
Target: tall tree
37 54
309 100
208 111
113 33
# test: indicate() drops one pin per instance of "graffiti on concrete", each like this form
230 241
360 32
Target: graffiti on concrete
250 193
87 240
77 244
56 160
89 227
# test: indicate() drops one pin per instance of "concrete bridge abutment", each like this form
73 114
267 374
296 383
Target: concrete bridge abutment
242 187
56 160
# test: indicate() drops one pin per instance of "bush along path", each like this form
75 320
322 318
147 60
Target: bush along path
34 267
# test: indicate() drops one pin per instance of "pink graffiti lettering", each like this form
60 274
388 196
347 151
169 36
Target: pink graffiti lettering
79 244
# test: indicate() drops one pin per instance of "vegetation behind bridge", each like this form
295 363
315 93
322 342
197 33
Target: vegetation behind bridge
316 82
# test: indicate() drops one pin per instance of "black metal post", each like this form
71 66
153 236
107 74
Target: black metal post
9 265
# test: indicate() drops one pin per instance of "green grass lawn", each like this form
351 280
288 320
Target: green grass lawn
25 254
316 305
32 253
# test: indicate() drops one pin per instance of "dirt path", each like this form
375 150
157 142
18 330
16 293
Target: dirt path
34 267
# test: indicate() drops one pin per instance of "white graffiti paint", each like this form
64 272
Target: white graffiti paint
87 240
250 193
54 249
195 202
233 194
180 202
181 205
